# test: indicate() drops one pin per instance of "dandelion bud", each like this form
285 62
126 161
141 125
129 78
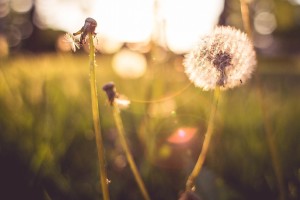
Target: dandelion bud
110 90
225 58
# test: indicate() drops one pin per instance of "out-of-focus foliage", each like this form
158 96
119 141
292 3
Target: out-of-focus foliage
47 147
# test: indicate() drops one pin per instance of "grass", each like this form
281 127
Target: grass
46 129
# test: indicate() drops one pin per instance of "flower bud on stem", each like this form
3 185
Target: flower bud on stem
110 90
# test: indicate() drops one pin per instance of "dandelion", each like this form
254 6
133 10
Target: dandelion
225 58
69 38
221 60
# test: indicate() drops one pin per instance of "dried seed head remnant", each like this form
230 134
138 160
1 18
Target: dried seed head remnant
224 58
89 27
111 93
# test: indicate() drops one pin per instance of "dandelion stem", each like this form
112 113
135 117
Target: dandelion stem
121 132
96 120
209 132
268 130
245 17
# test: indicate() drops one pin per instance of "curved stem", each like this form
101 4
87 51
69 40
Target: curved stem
209 132
96 120
121 132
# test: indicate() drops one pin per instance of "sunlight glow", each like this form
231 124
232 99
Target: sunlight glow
174 24
187 20
128 21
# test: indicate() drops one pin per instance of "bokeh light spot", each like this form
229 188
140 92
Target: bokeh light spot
107 45
165 151
62 44
120 161
21 6
4 49
4 8
265 23
13 36
129 64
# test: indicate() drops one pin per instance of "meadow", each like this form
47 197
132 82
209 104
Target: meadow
47 146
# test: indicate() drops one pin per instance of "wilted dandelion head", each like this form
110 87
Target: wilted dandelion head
89 27
114 97
225 58
111 92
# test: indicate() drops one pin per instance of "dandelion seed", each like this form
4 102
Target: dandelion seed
224 58
108 181
122 102
69 38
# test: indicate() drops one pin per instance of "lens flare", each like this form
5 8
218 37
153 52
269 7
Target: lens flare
182 135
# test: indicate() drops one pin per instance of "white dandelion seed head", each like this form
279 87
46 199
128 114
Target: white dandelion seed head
224 58
69 38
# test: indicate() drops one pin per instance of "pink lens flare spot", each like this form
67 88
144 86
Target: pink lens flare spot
182 135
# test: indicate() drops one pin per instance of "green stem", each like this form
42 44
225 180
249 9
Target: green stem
209 132
96 120
121 132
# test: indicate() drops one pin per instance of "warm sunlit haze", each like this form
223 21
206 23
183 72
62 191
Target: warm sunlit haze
173 24
149 99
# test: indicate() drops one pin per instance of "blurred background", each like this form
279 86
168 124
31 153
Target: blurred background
47 145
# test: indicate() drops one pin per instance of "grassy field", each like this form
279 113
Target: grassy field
47 146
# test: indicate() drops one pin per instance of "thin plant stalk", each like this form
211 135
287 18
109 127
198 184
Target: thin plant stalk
272 148
190 184
268 130
245 17
121 132
96 120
